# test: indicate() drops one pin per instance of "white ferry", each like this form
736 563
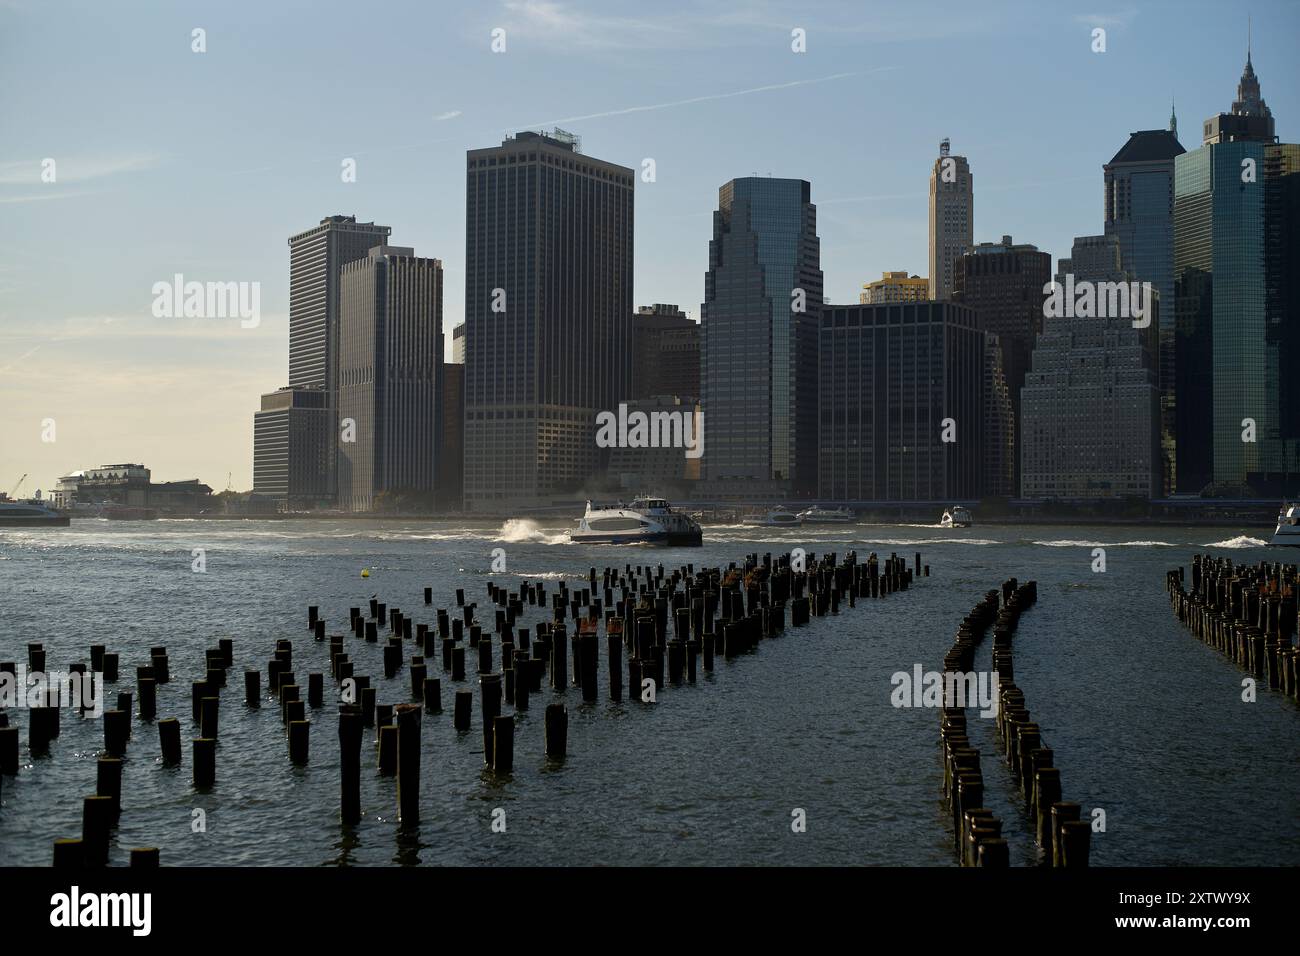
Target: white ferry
818 515
30 514
1288 526
778 517
645 520
955 517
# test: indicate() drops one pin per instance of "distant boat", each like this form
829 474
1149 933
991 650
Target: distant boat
646 520
1288 527
30 514
778 517
955 517
816 515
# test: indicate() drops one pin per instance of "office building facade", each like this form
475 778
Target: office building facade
1139 199
548 313
758 341
952 219
895 380
1234 257
666 348
291 442
390 381
895 287
1003 282
1091 400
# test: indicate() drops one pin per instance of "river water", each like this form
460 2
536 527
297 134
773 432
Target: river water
1147 724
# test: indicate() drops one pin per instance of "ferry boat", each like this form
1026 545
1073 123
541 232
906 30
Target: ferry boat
778 517
955 517
817 515
30 514
1288 526
645 520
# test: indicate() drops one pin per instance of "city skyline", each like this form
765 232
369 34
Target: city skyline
124 386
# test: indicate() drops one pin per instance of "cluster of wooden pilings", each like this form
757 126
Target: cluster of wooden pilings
978 836
1248 613
101 810
668 626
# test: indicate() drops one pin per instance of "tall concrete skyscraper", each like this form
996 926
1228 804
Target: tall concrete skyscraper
1233 269
548 313
1003 282
952 218
315 258
758 351
390 380
1139 213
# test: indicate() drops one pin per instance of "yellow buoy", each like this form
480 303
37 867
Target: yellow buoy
365 572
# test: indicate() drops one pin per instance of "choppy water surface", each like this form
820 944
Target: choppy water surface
1146 722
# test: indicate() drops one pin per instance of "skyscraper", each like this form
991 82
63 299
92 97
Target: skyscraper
315 258
890 376
1091 401
758 346
1003 282
548 312
952 218
1140 214
1234 304
666 345
390 380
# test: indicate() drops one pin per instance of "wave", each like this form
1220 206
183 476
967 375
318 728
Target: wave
528 531
1240 541
1071 543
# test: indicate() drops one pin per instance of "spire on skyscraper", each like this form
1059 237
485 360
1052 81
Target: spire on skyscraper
1173 118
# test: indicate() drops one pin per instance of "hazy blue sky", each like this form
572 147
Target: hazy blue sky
173 161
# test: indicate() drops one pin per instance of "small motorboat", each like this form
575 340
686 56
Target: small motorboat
1287 532
955 517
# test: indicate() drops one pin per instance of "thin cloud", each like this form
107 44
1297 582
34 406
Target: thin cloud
1106 19
708 97
450 114
74 169
38 197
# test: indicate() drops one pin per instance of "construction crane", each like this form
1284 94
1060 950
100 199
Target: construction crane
13 495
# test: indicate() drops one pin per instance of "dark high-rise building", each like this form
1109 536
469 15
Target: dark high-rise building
758 331
290 443
548 313
1234 269
889 375
315 258
1140 214
1004 282
390 380
451 457
666 344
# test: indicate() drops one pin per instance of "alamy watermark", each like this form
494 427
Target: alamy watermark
683 428
1100 300
208 300
83 690
946 689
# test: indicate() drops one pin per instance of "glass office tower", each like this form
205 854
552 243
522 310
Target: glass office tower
758 363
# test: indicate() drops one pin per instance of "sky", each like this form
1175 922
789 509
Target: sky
170 161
